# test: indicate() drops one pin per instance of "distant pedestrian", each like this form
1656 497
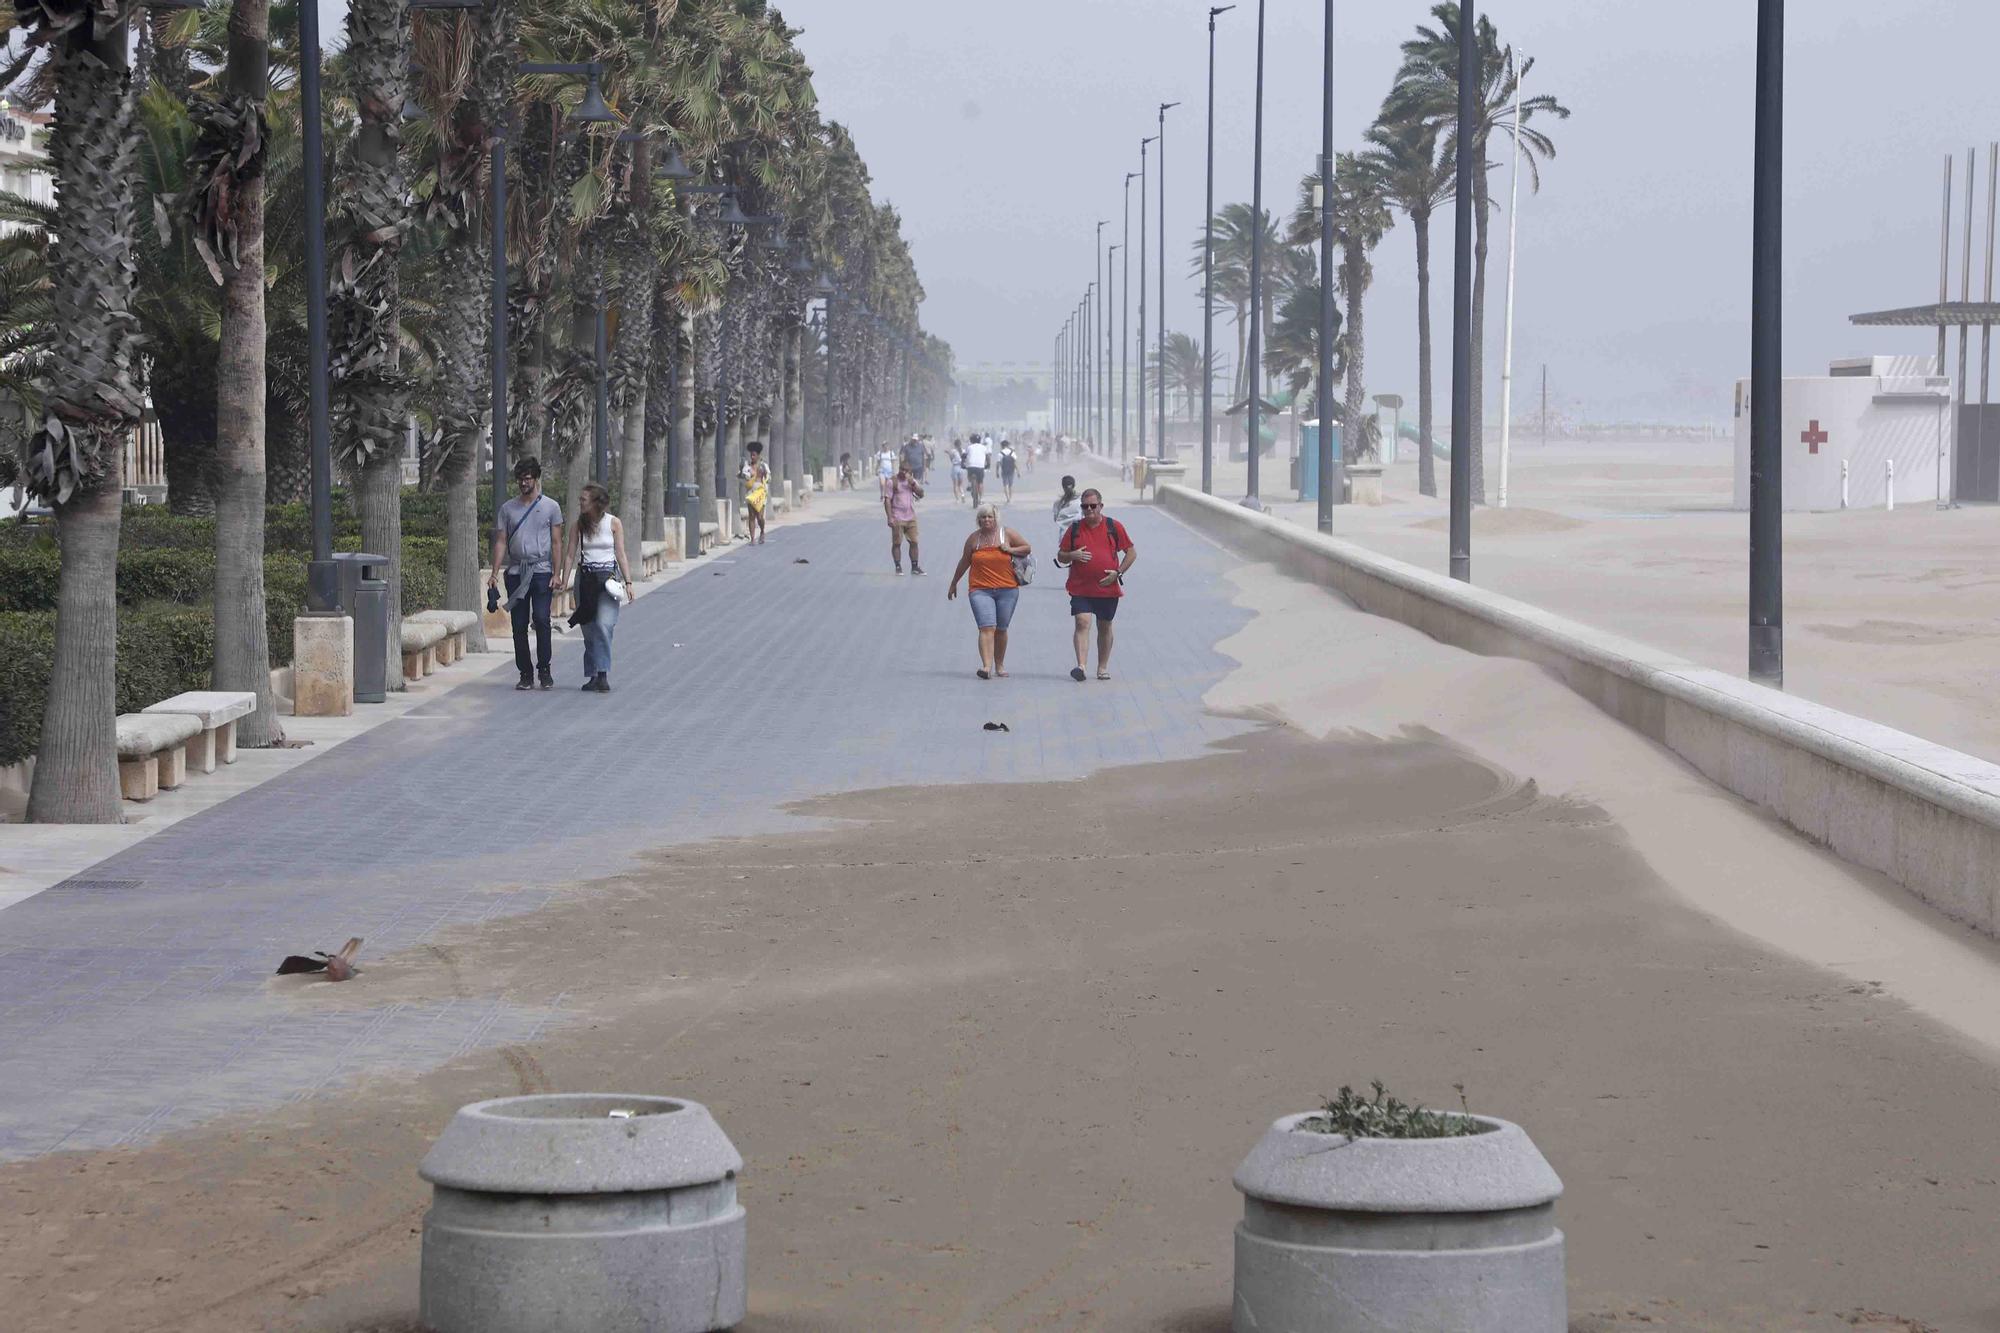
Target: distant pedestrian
1007 465
977 453
989 555
603 581
1097 553
885 462
900 494
957 471
1068 508
756 490
847 472
913 457
526 542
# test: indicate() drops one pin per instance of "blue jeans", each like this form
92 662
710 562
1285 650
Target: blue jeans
597 637
535 603
993 608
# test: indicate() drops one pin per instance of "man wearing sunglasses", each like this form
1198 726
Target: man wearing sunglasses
1097 552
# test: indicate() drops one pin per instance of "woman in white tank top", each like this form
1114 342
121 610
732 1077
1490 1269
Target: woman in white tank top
597 553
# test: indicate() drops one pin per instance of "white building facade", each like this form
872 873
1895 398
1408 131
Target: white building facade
1871 427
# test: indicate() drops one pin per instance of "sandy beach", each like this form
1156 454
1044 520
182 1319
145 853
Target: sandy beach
1892 616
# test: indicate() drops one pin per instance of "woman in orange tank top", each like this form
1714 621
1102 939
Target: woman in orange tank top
989 556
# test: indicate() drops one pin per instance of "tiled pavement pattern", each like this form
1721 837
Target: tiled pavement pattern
135 998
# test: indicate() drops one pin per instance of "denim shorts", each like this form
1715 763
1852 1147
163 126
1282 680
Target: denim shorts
992 608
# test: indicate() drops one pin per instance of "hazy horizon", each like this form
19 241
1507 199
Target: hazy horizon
1002 136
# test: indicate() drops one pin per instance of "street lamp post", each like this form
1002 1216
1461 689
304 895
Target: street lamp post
1142 292
1125 329
1097 322
1160 368
1110 332
1462 443
1256 272
1208 279
1331 484
1767 589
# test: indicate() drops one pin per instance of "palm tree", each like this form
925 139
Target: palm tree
90 398
1292 354
370 217
1360 218
1416 178
1233 233
225 208
1427 89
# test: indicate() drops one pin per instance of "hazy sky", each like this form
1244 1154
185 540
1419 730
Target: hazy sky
1003 131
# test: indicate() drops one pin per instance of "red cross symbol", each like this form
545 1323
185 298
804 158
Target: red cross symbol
1813 437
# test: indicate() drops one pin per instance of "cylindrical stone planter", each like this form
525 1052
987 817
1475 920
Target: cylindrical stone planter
585 1212
1347 1235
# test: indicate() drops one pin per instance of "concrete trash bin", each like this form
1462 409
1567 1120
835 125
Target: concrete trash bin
1347 1235
583 1212
684 503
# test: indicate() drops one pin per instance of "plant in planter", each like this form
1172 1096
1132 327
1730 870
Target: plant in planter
1372 1215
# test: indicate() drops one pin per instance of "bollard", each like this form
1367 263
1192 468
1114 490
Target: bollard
1843 483
1370 1235
586 1212
1890 464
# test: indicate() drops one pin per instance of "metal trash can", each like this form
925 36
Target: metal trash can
362 589
685 504
586 1212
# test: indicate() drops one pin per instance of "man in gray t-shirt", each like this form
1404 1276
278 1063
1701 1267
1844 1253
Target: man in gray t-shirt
526 543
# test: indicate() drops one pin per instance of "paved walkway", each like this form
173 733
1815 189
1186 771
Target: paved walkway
137 998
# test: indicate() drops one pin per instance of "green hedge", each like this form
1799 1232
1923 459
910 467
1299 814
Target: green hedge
166 625
162 651
287 527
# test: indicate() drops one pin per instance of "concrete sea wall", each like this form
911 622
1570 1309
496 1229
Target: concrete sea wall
1925 815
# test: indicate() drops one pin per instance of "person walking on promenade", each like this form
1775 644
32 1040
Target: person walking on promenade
1097 553
1068 508
957 471
756 490
1007 465
885 463
976 455
913 457
603 581
525 543
847 472
900 494
990 553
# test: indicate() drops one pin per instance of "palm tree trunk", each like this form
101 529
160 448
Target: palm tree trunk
795 405
370 214
703 450
1357 390
1481 208
1242 393
635 349
686 470
94 404
242 658
1420 222
659 416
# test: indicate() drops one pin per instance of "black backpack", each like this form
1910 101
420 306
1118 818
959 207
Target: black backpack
1118 536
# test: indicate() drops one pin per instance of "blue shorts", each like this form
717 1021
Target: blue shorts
993 608
1104 608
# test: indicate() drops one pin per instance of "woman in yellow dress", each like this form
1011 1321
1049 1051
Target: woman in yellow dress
756 489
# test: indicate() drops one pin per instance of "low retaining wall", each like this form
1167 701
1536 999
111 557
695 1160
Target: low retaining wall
1924 815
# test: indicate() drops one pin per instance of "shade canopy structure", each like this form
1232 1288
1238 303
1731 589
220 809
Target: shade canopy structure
1938 314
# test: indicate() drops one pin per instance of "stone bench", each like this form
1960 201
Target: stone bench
711 533
216 712
152 752
420 643
652 558
458 626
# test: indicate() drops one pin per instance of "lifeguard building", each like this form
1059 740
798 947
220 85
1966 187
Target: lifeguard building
1870 428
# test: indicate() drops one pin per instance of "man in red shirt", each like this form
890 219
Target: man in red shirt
1097 552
